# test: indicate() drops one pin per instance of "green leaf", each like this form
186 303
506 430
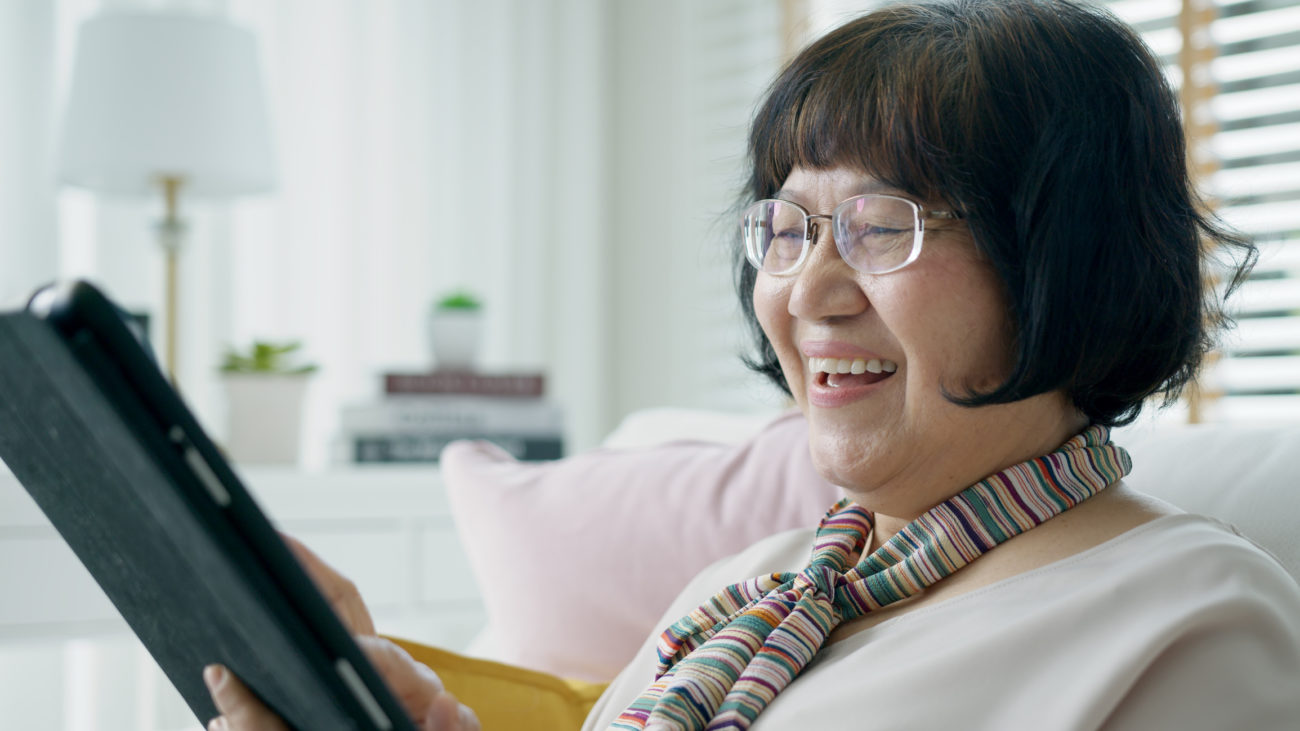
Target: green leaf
459 300
265 357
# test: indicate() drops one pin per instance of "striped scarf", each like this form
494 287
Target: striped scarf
720 665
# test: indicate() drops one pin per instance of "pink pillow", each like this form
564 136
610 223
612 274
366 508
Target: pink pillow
576 559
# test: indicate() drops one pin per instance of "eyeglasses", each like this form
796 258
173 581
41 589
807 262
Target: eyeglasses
875 234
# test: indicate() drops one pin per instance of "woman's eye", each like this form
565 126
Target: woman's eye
880 237
787 244
878 231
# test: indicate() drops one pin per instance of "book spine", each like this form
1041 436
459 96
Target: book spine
452 382
458 414
426 448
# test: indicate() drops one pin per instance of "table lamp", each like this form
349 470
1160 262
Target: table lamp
170 104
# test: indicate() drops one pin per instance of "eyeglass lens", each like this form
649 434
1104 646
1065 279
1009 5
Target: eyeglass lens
873 233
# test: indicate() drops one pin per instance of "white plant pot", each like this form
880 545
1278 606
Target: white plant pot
454 336
264 417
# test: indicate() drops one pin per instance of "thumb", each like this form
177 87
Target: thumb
240 709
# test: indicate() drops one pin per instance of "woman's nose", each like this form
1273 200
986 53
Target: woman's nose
826 287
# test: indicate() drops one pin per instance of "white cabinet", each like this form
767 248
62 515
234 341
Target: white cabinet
68 661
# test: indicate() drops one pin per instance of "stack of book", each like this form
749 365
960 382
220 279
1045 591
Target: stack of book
420 413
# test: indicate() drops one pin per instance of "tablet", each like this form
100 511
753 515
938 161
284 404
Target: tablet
110 453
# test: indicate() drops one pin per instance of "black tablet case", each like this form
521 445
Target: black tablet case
110 454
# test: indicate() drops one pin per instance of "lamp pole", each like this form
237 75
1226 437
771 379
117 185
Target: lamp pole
170 233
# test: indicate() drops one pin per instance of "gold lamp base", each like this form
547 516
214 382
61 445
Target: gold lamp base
171 231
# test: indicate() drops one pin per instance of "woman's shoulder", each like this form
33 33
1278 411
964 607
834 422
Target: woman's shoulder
1177 575
1164 555
1211 620
1123 531
1200 552
1173 536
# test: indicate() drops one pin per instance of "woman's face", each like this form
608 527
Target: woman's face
940 324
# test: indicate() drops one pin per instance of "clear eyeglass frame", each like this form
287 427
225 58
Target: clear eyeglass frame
902 250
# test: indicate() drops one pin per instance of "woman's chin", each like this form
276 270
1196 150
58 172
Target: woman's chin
857 471
840 441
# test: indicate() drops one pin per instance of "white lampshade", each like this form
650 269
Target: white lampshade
166 94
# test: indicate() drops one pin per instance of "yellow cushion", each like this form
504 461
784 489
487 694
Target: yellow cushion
507 697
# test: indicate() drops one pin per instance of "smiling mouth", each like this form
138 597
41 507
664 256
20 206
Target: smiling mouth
846 372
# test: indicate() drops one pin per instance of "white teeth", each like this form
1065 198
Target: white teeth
855 366
836 365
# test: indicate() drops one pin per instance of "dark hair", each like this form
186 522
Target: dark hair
1050 127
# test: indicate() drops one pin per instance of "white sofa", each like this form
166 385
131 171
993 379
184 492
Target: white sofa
629 498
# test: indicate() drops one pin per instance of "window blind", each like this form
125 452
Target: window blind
1246 138
1257 107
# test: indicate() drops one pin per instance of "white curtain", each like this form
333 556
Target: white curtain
28 246
421 146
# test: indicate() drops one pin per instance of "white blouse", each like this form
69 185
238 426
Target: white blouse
1180 623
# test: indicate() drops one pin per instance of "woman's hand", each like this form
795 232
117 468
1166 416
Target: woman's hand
418 688
340 592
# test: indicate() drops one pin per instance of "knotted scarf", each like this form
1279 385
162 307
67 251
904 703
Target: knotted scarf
723 663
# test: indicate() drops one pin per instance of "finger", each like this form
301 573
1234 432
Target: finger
413 683
448 714
240 709
337 589
469 719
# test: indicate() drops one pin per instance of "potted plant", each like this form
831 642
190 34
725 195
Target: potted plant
265 392
456 330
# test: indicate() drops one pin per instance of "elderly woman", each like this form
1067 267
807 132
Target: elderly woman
970 248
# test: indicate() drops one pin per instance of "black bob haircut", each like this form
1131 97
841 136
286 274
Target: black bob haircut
1051 128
